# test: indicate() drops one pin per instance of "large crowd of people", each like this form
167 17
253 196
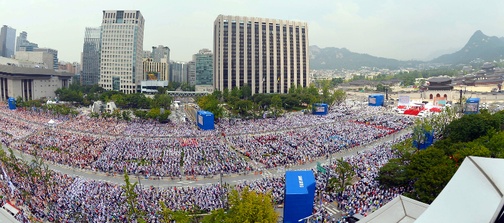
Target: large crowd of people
172 150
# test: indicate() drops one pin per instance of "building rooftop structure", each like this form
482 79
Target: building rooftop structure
29 71
399 210
474 194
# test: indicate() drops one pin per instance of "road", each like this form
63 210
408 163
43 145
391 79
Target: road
200 180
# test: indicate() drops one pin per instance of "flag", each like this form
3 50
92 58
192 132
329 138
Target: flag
12 187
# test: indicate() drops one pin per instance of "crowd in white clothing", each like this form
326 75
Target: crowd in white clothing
172 150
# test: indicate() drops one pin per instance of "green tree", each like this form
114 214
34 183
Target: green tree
134 214
244 106
494 142
154 113
429 170
393 174
140 114
339 96
217 94
344 175
126 115
420 130
246 91
249 206
471 149
169 216
276 105
215 216
236 92
336 81
211 103
161 101
471 127
225 95
161 90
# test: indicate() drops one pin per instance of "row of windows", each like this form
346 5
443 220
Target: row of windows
116 52
121 37
120 21
117 27
108 79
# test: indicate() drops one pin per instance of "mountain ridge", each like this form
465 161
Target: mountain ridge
479 46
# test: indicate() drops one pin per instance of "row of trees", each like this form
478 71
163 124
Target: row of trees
86 95
156 107
240 102
426 172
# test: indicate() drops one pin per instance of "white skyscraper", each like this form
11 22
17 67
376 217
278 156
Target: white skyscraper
269 55
121 48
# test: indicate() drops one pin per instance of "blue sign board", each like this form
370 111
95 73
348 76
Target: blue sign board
320 109
205 120
376 99
299 195
472 106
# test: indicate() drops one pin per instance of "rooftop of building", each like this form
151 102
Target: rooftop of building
15 70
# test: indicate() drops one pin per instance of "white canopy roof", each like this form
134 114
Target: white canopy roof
474 193
50 122
399 210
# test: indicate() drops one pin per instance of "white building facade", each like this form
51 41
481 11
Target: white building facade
269 55
121 50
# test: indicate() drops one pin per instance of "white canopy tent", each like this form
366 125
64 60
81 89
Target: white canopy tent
474 194
399 210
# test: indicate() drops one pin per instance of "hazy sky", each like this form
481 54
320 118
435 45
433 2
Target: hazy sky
399 29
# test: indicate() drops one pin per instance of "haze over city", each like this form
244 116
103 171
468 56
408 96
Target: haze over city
394 29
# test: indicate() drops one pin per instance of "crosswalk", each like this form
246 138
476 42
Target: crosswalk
331 209
185 182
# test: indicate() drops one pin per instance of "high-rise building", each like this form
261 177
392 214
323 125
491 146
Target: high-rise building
147 54
53 52
178 72
204 67
191 73
7 41
121 67
91 56
43 59
160 52
156 71
22 43
269 55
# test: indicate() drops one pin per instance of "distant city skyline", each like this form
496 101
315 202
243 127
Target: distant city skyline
393 29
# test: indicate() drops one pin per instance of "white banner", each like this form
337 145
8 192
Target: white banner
404 100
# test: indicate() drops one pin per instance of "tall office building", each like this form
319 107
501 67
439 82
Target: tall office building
204 67
178 72
121 50
7 41
53 52
160 52
191 73
156 71
270 55
147 54
91 56
22 43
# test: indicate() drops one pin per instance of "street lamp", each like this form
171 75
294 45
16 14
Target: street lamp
222 188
